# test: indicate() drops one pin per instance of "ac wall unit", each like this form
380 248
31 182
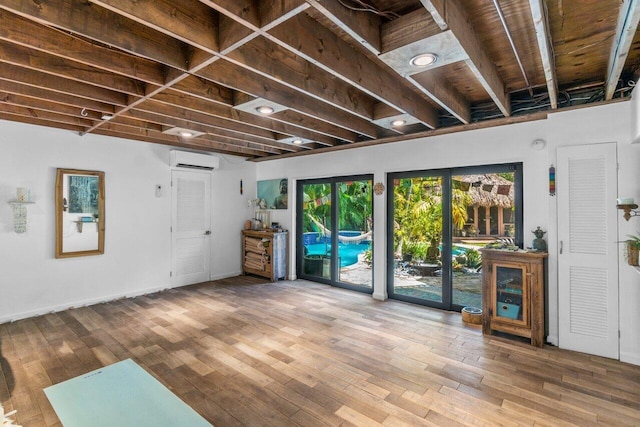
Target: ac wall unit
186 159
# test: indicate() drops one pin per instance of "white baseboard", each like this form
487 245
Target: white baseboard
226 275
379 297
75 304
631 358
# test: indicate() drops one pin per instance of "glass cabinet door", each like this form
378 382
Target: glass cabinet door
511 293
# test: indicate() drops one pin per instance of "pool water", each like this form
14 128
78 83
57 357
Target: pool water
348 253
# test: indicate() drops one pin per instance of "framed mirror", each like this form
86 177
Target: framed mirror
79 213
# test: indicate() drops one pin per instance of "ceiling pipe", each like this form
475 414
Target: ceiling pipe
513 46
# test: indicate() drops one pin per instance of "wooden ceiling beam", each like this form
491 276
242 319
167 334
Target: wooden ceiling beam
64 68
272 61
27 33
47 105
25 76
97 23
416 26
196 116
364 28
205 89
626 28
231 75
44 94
243 120
120 131
39 122
451 15
187 20
543 35
266 145
306 38
44 115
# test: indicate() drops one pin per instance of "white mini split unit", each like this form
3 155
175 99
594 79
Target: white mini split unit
186 159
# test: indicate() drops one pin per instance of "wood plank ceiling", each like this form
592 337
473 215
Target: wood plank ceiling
335 73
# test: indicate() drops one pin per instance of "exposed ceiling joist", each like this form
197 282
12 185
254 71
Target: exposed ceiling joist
541 24
625 31
338 70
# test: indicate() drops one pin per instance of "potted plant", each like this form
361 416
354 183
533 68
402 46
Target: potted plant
633 248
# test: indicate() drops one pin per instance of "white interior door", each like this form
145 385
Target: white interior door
190 227
588 254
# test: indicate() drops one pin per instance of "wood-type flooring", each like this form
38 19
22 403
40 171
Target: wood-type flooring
243 352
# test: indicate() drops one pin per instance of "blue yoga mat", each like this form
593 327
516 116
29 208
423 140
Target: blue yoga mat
122 394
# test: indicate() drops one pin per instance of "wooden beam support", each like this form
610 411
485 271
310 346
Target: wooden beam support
97 23
269 144
543 35
48 64
44 115
120 131
230 75
316 44
451 15
39 122
243 120
190 21
25 76
44 94
27 33
628 19
364 28
47 105
274 62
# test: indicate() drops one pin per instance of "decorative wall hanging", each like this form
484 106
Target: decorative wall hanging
23 198
378 188
275 192
552 180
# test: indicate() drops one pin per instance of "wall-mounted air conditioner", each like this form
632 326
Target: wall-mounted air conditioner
186 159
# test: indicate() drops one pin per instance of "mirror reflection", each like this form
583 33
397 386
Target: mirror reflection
79 213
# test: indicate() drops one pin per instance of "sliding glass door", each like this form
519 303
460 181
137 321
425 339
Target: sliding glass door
437 223
344 258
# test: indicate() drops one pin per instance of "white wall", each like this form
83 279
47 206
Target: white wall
511 143
137 256
229 213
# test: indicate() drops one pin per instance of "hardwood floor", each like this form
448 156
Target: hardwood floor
244 352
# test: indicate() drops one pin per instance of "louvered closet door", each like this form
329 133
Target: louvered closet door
588 253
191 225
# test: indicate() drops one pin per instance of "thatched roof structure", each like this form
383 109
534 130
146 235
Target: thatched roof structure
488 190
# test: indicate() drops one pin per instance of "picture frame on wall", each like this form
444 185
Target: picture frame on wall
275 193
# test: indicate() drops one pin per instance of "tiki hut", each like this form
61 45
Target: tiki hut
491 210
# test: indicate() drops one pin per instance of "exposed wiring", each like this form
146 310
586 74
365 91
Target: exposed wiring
364 7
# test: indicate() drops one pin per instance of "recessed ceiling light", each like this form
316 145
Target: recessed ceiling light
297 141
423 60
182 132
264 109
399 122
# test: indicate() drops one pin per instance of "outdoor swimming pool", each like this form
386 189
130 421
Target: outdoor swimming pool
348 252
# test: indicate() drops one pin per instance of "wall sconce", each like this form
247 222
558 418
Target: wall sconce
629 207
23 198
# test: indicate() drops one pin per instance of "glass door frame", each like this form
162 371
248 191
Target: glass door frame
447 224
335 265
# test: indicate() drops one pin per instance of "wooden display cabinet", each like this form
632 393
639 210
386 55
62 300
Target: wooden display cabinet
264 253
513 293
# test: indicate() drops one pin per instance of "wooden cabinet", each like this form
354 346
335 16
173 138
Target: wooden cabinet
264 253
513 293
